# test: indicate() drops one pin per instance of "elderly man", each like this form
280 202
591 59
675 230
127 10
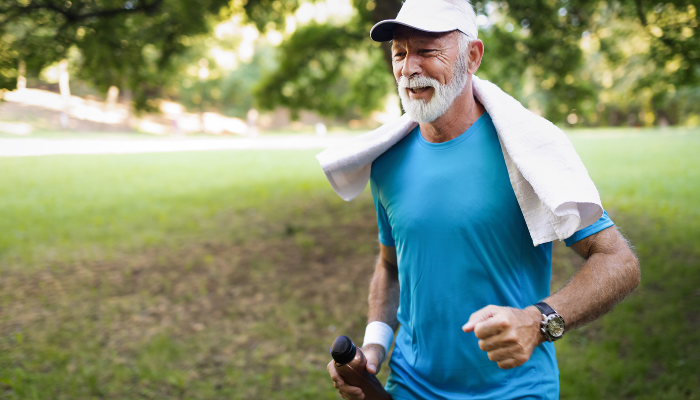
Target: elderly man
455 250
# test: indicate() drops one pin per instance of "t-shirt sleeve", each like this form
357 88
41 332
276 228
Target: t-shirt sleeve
603 222
385 237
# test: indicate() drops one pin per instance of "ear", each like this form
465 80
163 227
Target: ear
475 52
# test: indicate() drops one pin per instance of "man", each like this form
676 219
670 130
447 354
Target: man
455 250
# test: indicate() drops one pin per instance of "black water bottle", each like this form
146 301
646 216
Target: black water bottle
348 361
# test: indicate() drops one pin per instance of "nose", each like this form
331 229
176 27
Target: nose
411 65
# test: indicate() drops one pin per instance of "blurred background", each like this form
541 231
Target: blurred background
165 231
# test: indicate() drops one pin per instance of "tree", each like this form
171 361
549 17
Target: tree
334 69
533 50
127 43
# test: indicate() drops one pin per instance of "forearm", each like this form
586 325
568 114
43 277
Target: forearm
602 281
611 271
384 294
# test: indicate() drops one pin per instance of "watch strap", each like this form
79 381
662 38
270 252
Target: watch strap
545 308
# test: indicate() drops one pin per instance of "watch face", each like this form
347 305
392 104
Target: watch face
555 326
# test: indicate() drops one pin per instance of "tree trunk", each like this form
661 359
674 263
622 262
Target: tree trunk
112 96
21 75
63 84
64 88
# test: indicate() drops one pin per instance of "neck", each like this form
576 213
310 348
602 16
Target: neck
462 114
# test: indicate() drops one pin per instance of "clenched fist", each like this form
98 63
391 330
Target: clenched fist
508 335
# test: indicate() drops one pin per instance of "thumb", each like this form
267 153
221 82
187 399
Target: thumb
372 356
479 316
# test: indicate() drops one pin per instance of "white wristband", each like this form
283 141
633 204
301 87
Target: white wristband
378 332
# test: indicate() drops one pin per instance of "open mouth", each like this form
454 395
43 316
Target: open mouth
419 89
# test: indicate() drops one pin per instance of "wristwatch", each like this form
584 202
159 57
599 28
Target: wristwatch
552 324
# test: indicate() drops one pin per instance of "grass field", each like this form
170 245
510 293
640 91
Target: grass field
226 275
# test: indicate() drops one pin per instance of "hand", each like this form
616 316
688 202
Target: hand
508 335
374 355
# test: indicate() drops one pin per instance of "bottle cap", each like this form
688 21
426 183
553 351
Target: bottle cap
343 350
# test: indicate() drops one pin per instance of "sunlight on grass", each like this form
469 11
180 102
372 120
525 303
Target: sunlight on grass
63 206
227 274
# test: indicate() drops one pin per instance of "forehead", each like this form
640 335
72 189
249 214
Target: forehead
404 35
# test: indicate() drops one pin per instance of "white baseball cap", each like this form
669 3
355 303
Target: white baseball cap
428 16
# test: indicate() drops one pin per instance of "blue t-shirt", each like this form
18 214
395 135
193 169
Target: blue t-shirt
462 244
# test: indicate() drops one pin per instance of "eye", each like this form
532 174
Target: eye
427 51
400 54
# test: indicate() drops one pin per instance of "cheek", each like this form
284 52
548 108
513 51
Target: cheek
397 70
439 69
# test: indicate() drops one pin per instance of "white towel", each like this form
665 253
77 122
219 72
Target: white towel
555 193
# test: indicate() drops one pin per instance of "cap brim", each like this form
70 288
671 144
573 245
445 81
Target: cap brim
383 31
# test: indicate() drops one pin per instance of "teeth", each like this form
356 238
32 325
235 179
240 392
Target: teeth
418 89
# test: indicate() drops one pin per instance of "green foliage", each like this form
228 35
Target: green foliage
127 43
335 70
641 63
321 68
227 90
547 44
675 30
534 51
269 13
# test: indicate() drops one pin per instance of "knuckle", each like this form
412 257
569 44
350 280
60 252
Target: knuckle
491 308
512 338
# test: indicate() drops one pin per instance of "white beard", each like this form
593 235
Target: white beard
444 94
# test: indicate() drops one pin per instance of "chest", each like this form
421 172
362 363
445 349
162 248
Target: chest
461 187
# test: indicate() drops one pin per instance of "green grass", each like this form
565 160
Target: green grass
64 206
227 274
649 347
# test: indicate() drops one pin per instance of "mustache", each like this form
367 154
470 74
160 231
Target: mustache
417 82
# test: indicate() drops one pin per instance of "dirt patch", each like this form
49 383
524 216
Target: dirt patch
259 303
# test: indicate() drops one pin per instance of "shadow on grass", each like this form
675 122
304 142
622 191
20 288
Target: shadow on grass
252 318
243 319
188 294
